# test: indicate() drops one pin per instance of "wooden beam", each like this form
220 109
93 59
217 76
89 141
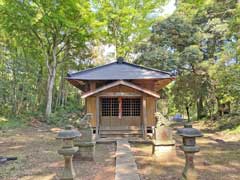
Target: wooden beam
97 117
121 82
117 94
92 85
144 108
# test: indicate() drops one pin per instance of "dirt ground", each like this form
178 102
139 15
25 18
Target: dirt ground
218 159
36 151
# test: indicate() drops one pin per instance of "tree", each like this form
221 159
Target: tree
127 22
190 42
56 28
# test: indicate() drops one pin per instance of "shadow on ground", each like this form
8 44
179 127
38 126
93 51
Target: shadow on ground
217 160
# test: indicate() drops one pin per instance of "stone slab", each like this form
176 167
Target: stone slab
126 167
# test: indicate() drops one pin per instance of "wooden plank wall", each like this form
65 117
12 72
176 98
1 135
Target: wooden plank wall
120 88
91 108
150 105
151 109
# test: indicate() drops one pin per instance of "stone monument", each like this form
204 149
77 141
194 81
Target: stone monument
85 143
163 144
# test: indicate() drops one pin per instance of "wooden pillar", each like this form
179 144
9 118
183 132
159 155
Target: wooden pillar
97 117
144 108
92 86
120 107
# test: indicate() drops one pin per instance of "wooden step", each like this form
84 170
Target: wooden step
120 132
125 133
120 128
120 135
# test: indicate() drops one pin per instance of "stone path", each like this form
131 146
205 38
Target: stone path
126 168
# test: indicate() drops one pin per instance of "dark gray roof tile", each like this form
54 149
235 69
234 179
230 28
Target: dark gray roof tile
119 71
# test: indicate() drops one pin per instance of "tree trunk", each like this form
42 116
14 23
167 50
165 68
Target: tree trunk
50 85
200 109
39 98
14 88
223 108
188 114
62 89
51 79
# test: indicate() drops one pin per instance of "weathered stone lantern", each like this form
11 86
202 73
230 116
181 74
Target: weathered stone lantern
163 143
85 143
68 150
189 147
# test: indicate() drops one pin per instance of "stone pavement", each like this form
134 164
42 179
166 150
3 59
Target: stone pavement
126 168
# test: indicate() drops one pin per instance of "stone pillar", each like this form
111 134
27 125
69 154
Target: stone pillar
85 143
163 144
68 171
189 171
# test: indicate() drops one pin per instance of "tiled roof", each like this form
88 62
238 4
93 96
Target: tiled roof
119 70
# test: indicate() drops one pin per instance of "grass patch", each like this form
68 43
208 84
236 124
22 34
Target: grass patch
11 123
228 122
235 130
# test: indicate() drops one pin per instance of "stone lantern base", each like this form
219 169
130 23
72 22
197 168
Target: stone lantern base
68 171
86 151
164 151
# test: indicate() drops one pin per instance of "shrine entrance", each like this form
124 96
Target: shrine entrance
120 113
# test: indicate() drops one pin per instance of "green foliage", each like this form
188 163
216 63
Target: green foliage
125 23
157 57
191 56
38 38
200 42
174 32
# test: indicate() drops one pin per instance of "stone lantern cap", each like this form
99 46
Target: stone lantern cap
68 133
189 131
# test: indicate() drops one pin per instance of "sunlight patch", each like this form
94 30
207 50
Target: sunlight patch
3 119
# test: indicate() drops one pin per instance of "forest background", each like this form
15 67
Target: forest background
41 41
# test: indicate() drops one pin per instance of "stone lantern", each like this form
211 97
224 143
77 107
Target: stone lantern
163 143
189 147
68 150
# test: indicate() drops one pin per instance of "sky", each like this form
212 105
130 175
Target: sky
169 8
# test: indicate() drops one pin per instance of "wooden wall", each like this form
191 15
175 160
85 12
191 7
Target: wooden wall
91 108
121 88
150 103
151 109
153 85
